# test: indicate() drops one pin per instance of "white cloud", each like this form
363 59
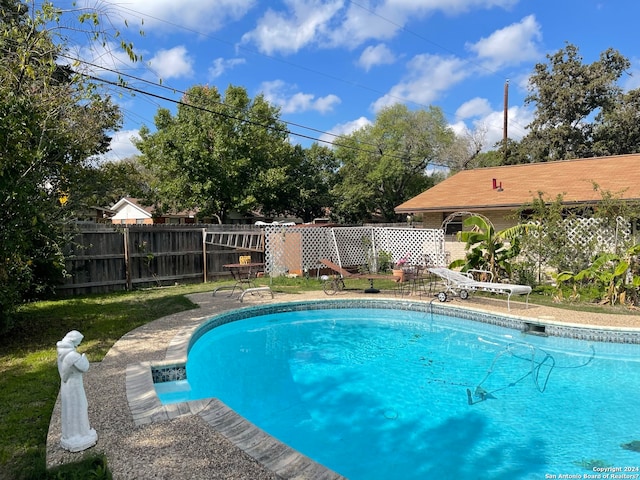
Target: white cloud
203 16
359 25
428 77
345 129
288 32
476 107
493 123
337 23
517 119
173 63
121 146
279 93
378 55
521 82
510 45
450 7
326 103
460 128
221 65
384 20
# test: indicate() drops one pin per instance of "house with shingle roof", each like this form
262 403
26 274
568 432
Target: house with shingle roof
499 193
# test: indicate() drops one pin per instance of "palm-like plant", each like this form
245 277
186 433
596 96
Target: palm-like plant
617 276
488 249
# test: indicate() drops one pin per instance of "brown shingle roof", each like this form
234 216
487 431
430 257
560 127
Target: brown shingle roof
574 179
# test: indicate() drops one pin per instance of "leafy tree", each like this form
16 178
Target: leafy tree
219 154
315 176
618 131
52 121
384 164
104 184
572 100
465 151
517 153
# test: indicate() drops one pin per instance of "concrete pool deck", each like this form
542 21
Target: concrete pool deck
204 440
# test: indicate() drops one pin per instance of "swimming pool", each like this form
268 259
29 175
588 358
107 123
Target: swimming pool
376 393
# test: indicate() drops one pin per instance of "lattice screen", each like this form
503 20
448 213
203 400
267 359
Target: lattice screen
420 245
591 231
290 249
297 250
352 244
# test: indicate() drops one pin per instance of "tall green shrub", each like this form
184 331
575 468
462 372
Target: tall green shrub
52 122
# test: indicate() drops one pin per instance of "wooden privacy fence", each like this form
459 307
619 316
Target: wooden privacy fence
105 260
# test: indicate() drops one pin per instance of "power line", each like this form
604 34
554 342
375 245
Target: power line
244 120
270 57
178 102
126 9
173 89
313 71
417 35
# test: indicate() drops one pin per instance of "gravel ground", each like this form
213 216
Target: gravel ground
187 447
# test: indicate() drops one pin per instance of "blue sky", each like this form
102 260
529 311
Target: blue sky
330 65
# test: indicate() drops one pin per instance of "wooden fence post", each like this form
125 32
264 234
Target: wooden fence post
127 260
204 254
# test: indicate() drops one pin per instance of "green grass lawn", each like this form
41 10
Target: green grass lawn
29 380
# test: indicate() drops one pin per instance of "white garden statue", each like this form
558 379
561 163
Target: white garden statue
77 435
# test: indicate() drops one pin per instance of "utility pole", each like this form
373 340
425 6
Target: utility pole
506 121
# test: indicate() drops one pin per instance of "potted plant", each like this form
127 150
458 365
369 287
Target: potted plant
398 269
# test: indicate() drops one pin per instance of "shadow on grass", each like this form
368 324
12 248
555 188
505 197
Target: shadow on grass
29 380
91 467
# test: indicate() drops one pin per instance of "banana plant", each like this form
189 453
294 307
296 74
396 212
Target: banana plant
617 276
488 249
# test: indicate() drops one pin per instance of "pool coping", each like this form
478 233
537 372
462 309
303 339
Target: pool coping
276 456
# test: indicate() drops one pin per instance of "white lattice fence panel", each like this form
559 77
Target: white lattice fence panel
419 245
294 249
624 228
592 232
291 249
317 244
582 231
352 244
276 254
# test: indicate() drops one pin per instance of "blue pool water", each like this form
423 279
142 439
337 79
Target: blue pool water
387 394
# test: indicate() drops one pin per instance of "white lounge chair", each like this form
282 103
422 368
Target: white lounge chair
458 283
